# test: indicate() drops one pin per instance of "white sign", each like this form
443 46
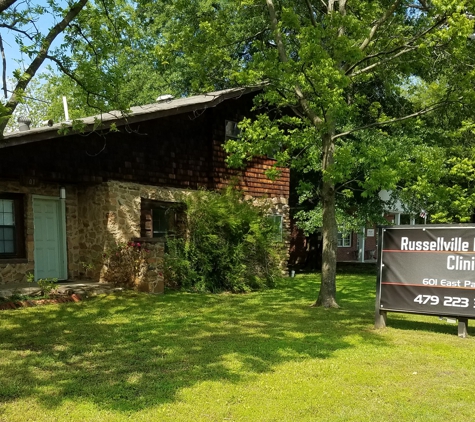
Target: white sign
370 232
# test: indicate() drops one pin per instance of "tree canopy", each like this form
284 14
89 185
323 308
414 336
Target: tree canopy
357 96
23 20
367 84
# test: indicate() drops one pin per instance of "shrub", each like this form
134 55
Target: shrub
47 285
228 246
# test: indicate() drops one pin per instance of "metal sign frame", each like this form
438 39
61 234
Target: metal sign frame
427 270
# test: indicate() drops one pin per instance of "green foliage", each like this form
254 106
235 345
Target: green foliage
125 263
47 285
358 78
229 246
387 84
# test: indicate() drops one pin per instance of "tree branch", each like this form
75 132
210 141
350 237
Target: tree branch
388 122
91 46
378 23
40 57
373 56
370 67
310 12
278 35
4 66
408 46
74 78
342 10
12 28
316 120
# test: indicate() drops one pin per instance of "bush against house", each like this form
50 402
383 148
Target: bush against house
229 245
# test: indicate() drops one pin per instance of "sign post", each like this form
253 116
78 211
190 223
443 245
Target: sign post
426 270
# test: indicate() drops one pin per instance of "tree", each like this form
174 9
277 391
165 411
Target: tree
109 63
356 92
22 18
359 78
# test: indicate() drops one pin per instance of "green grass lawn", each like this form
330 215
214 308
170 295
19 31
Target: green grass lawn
256 357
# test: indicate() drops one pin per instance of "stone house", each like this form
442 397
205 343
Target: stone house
67 197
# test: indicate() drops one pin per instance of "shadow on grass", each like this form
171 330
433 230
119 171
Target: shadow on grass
132 351
429 324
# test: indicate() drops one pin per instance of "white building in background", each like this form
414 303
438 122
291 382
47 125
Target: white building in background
397 210
396 213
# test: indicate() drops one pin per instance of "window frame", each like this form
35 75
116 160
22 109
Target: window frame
341 239
147 226
279 235
19 226
231 133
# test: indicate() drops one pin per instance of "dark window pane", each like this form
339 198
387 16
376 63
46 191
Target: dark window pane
276 221
7 236
159 221
6 212
9 246
12 241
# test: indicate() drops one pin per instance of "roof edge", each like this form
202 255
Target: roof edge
136 115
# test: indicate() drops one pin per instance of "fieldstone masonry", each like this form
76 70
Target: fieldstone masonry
100 216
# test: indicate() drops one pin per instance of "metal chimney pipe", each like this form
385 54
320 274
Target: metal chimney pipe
24 122
65 105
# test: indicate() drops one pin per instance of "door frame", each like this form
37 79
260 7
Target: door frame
63 253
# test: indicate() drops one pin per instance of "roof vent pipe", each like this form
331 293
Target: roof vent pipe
166 97
24 122
65 105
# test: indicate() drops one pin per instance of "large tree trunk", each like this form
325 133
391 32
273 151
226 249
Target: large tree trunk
327 294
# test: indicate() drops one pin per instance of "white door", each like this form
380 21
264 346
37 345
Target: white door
49 238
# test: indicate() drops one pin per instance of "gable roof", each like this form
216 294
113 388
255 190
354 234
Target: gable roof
135 115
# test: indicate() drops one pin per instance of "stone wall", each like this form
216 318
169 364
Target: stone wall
100 216
109 214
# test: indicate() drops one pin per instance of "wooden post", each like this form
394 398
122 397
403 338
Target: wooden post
462 329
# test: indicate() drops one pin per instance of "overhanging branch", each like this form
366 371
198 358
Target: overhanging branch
72 76
5 4
378 23
386 60
388 122
408 46
30 72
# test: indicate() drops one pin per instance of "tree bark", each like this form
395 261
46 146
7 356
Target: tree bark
5 4
327 294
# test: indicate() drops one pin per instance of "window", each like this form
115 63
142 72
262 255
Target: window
159 219
276 222
12 236
231 130
344 240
